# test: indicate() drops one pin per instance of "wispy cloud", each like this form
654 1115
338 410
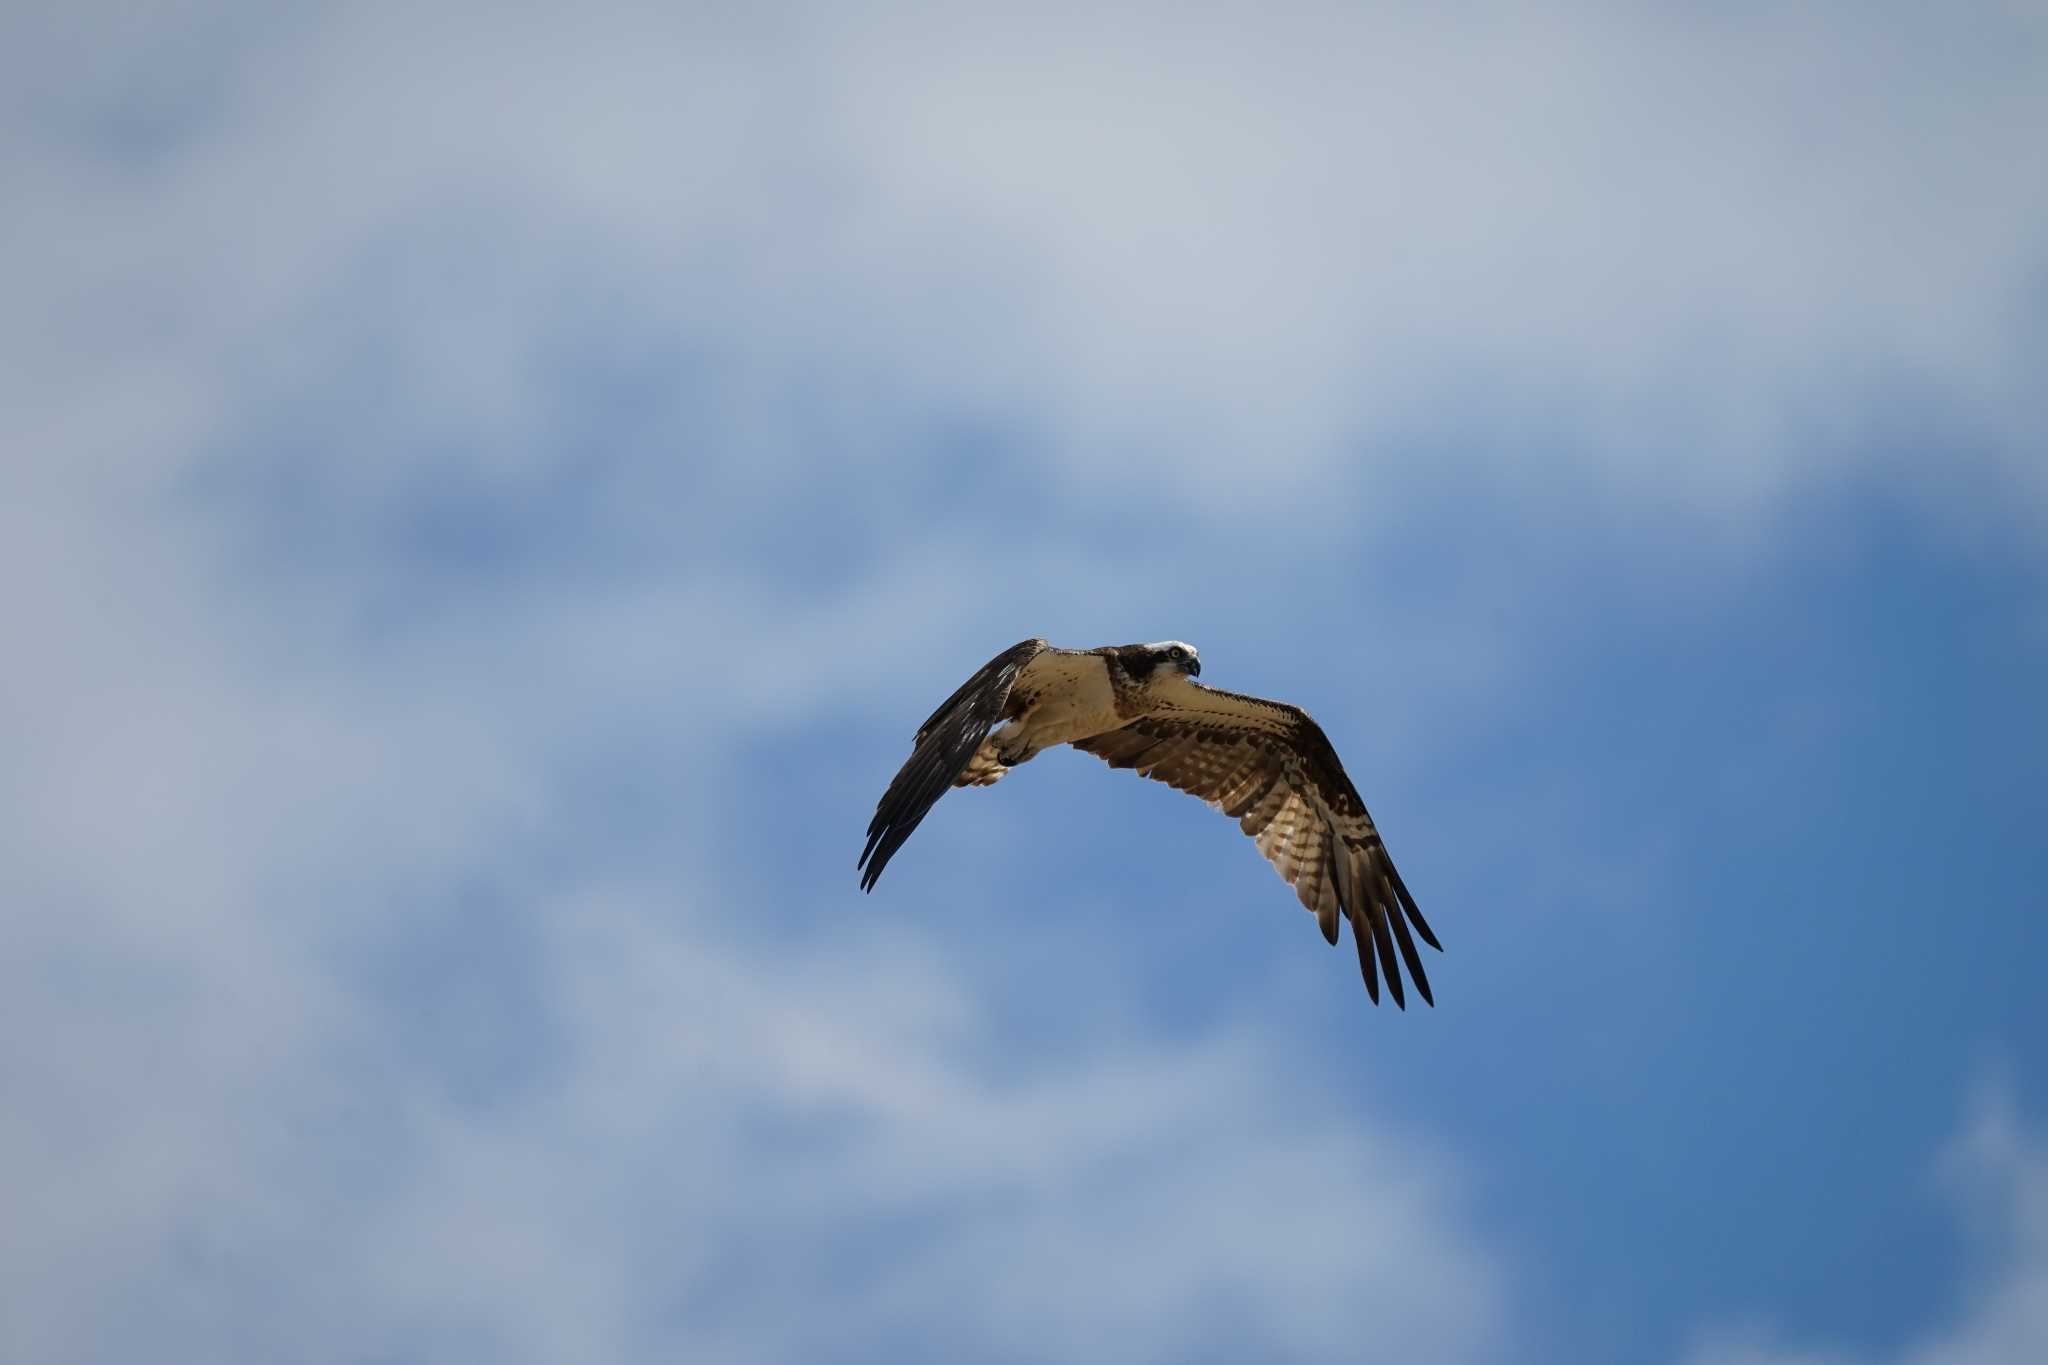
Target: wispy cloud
1996 1171
1712 255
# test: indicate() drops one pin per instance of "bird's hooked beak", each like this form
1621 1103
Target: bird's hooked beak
1194 667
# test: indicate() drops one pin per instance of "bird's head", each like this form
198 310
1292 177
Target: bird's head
1165 659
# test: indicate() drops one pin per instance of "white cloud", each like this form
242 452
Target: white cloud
1700 257
227 1117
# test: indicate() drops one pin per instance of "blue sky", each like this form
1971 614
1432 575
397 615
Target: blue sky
491 492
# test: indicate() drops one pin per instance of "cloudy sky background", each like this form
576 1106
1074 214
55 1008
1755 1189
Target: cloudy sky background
489 492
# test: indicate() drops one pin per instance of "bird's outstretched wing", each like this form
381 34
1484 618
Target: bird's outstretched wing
943 747
1272 768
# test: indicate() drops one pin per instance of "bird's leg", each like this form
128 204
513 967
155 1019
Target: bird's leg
1012 746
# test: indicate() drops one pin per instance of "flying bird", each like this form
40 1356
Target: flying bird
1264 763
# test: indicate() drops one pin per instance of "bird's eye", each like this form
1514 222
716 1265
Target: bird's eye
1177 652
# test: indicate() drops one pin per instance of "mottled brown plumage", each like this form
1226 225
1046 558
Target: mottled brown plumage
1265 764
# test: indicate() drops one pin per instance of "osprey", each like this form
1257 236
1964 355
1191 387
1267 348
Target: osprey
1265 763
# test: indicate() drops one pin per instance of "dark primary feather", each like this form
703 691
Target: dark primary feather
1265 764
945 744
